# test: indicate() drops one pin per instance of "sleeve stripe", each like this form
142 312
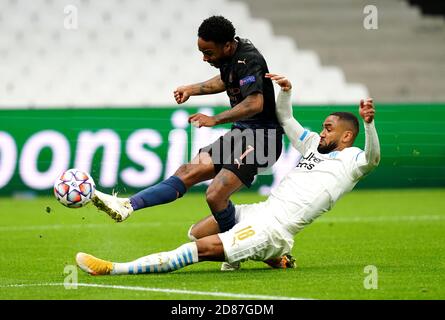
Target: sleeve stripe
356 157
305 132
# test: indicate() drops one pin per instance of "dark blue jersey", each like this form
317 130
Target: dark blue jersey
243 75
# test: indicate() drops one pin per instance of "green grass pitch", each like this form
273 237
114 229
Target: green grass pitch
400 232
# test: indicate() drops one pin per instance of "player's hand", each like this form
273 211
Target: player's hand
367 110
181 94
282 81
201 120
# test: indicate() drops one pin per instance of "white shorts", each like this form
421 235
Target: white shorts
257 234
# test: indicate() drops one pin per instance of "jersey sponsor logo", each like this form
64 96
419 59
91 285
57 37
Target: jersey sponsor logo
309 161
247 80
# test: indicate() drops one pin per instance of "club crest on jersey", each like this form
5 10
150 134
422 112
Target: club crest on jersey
333 154
247 80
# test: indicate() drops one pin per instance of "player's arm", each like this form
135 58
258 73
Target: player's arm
250 106
370 158
298 136
213 85
251 77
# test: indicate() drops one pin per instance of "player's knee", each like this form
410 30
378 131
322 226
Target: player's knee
213 197
190 234
187 174
183 171
191 174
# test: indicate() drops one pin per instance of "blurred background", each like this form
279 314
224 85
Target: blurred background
89 83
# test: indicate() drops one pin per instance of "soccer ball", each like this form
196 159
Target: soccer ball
74 188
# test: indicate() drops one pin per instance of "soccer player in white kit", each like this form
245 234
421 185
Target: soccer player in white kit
330 167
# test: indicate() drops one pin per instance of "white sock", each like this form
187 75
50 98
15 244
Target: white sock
160 262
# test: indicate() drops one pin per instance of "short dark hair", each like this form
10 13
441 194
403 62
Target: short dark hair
217 29
348 117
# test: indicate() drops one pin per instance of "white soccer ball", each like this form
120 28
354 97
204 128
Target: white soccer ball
74 188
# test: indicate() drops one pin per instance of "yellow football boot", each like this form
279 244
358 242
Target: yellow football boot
93 265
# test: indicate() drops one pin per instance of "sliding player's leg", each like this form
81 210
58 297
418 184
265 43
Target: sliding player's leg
205 249
257 239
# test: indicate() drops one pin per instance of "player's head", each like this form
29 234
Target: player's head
216 36
339 131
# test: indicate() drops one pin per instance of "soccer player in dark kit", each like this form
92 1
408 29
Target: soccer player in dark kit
254 142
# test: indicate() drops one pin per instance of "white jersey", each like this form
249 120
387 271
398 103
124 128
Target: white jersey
336 172
318 180
307 191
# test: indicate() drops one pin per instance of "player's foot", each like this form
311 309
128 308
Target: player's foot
93 265
225 266
283 262
117 208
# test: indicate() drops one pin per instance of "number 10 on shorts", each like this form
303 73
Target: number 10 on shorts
243 234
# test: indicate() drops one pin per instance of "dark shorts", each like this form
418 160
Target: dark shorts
246 152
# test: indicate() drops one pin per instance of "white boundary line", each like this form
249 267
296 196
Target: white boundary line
163 290
327 219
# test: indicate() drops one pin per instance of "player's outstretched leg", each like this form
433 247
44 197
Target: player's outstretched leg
154 263
120 208
200 169
207 249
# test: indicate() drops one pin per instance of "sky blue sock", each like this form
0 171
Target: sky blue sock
164 192
226 218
